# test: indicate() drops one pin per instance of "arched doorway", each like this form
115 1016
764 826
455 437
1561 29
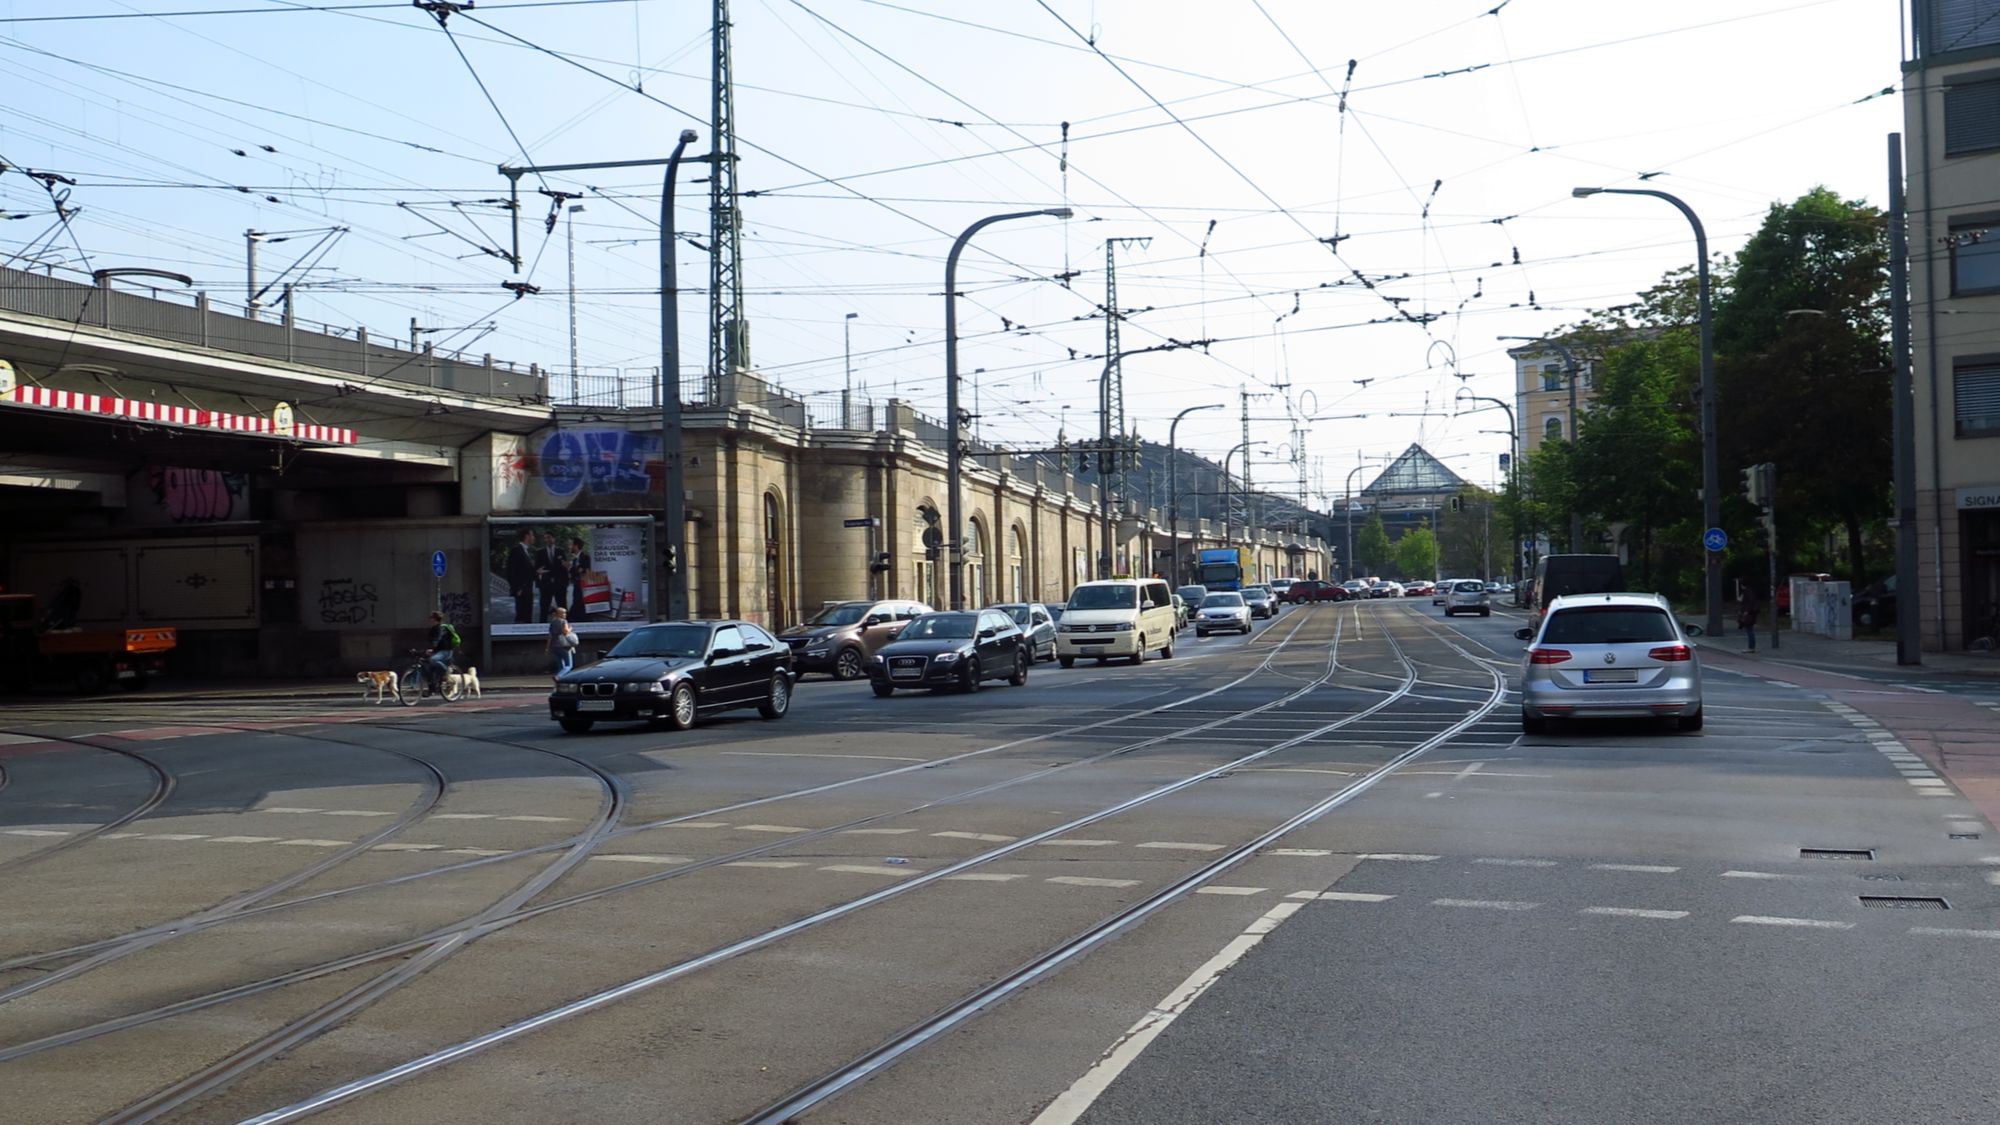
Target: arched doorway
774 561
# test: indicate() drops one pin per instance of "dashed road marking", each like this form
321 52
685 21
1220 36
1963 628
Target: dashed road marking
181 836
1484 904
1808 923
476 851
984 877
310 843
1076 843
655 859
287 809
1399 857
1086 881
256 840
1230 890
1634 912
1498 862
1175 845
1340 896
538 819
1303 852
384 847
42 832
358 812
982 837
1640 868
439 816
771 864
877 831
788 829
697 824
1943 931
860 869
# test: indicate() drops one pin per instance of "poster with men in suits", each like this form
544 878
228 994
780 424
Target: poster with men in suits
597 572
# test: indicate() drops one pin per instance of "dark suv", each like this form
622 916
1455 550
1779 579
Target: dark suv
840 638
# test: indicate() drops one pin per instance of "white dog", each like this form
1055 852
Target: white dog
466 682
384 684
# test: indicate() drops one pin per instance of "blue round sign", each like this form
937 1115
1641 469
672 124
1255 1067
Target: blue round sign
1715 539
437 564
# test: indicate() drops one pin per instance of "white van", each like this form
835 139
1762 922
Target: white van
1117 617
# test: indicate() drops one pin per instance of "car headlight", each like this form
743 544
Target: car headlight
875 659
653 686
947 657
566 689
1073 629
1121 627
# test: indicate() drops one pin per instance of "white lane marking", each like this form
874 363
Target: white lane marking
1755 875
355 812
475 851
697 824
858 757
384 847
1317 852
1634 912
19 739
1299 769
861 869
1468 771
1075 843
120 836
51 832
178 836
1942 931
984 877
1339 896
658 859
537 819
442 815
785 828
1925 781
1516 862
1399 857
241 839
1073 1102
1434 794
1810 923
1086 881
982 837
1935 793
877 831
1177 846
308 843
1641 868
1993 877
1484 904
772 864
1230 890
287 809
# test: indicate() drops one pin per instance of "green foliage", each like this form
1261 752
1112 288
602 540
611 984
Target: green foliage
1475 533
1416 553
1372 553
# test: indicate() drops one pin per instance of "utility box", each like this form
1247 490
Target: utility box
1824 609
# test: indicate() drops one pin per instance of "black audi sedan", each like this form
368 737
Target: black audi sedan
959 650
675 672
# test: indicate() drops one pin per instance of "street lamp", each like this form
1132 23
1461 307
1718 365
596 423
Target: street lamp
674 472
1347 506
1229 489
1174 485
847 354
1513 463
953 467
1571 371
1711 483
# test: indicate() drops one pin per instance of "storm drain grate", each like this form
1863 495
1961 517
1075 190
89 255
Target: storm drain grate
1965 835
1904 902
1883 878
1836 853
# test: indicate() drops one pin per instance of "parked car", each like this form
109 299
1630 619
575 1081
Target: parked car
1126 617
1442 588
1314 590
1467 595
961 650
1609 656
1418 589
1261 601
1386 590
1224 611
840 638
675 672
1181 612
1875 605
1279 586
1034 619
1355 587
1192 595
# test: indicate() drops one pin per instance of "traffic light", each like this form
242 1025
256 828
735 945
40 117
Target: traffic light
880 565
1749 486
671 559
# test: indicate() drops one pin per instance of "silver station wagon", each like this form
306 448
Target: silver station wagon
1610 656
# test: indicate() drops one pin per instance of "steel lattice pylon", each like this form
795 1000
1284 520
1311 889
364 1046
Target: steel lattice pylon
728 332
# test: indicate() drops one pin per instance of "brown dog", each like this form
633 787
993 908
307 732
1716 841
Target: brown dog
384 684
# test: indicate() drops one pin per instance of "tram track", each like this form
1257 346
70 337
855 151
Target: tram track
162 787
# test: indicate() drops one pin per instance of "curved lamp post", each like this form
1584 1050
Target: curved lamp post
1174 485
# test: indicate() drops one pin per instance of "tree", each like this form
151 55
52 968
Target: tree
1371 547
1417 553
1474 535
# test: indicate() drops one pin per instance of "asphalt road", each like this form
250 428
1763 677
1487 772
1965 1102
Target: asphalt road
1314 874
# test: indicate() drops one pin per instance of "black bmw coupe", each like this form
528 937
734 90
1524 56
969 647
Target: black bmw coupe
675 672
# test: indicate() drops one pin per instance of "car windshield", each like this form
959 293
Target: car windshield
1224 600
1018 612
1192 593
1607 625
1104 597
940 626
664 642
1471 587
846 613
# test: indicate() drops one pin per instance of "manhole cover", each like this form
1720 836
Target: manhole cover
1836 853
1904 902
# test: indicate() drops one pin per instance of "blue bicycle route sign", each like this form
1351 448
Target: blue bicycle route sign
1715 539
437 564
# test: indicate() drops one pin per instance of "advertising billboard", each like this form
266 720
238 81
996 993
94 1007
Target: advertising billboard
598 570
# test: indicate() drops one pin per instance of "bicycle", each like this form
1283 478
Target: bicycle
414 682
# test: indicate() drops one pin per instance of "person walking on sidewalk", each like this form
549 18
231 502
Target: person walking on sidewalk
561 646
1746 615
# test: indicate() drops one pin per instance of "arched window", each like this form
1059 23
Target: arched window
975 564
1552 428
1017 559
774 562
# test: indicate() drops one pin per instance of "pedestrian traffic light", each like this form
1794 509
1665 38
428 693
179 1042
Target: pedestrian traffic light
671 559
880 565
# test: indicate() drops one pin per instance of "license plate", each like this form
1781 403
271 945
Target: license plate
596 705
1615 676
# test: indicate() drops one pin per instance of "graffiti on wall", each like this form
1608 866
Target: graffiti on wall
598 462
197 495
457 608
343 601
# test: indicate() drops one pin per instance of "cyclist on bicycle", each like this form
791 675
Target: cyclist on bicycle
440 649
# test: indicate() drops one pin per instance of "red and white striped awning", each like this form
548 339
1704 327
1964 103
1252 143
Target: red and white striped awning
164 414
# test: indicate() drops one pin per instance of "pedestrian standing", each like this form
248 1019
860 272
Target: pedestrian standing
561 645
1746 615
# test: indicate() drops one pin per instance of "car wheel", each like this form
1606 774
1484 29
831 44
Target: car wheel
1066 661
1052 652
778 698
1167 653
847 666
680 706
968 676
883 691
575 726
1139 653
1691 722
1533 724
1020 676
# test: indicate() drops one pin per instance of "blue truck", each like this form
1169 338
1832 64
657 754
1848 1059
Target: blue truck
1222 568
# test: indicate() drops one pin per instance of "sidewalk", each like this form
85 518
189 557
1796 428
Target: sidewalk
189 690
1871 657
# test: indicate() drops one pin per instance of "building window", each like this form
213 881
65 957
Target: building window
1976 398
1954 25
1552 429
1017 553
1972 117
975 565
1975 257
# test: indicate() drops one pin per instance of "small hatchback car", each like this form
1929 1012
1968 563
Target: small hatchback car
1467 595
1610 656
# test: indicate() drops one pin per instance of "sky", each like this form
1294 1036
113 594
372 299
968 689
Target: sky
1350 202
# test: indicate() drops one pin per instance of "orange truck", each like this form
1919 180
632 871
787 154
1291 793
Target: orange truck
87 659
